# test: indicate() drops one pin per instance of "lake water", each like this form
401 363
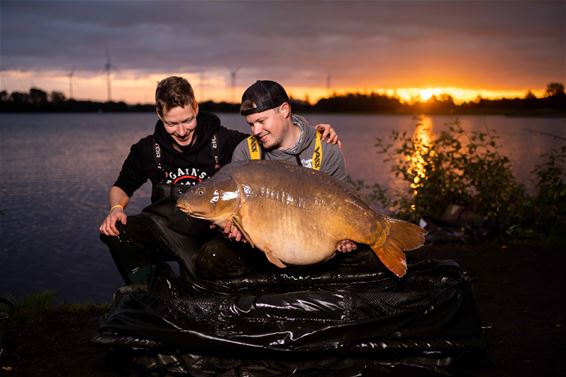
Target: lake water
56 170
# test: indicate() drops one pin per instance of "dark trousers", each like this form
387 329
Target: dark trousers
146 240
220 258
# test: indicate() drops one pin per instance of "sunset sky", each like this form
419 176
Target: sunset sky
314 48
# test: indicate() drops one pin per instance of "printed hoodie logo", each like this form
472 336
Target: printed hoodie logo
188 176
306 163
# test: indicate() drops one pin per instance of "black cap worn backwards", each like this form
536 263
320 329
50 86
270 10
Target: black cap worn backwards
262 95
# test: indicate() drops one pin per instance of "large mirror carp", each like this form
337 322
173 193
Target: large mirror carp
296 215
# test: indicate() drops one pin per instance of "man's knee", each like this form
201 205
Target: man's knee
219 259
131 250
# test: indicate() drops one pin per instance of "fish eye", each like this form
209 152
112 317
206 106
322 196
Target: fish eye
200 191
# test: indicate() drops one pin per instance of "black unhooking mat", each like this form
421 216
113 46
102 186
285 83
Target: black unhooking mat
299 322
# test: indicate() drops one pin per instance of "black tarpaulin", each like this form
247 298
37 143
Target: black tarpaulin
302 320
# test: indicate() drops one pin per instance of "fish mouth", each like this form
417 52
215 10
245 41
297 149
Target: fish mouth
184 207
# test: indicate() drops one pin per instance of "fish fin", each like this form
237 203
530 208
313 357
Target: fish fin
392 257
274 260
406 235
400 236
238 223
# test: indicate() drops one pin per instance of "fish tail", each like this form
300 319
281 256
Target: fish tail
398 236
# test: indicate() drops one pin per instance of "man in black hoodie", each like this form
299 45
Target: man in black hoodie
186 148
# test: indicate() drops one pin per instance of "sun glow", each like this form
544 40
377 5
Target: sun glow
413 95
427 94
459 95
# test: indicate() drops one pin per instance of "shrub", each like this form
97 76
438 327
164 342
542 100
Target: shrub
454 167
466 169
549 203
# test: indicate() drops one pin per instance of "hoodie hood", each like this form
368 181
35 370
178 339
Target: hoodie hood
308 134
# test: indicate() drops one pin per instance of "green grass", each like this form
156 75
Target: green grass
31 309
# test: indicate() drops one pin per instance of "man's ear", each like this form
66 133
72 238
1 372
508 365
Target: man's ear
285 110
195 108
158 115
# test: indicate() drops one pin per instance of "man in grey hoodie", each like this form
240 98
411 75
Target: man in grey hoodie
277 134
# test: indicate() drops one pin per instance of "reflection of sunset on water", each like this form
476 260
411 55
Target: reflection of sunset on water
422 142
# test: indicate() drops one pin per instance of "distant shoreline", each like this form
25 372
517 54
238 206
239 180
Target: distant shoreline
519 114
554 105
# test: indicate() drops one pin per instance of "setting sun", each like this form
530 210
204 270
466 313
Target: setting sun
426 94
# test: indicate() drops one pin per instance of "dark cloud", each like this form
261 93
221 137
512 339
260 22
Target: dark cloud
370 42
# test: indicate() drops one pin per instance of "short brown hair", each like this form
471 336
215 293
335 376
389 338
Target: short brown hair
174 91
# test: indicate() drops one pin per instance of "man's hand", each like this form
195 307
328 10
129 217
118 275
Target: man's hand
108 226
232 232
345 246
328 134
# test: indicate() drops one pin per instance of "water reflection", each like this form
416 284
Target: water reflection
422 144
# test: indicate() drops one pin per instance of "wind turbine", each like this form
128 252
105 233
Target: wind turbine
233 73
71 74
108 67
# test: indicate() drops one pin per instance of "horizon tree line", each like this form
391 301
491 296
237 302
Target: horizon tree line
554 100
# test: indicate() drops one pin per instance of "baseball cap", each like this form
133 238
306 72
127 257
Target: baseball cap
262 95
